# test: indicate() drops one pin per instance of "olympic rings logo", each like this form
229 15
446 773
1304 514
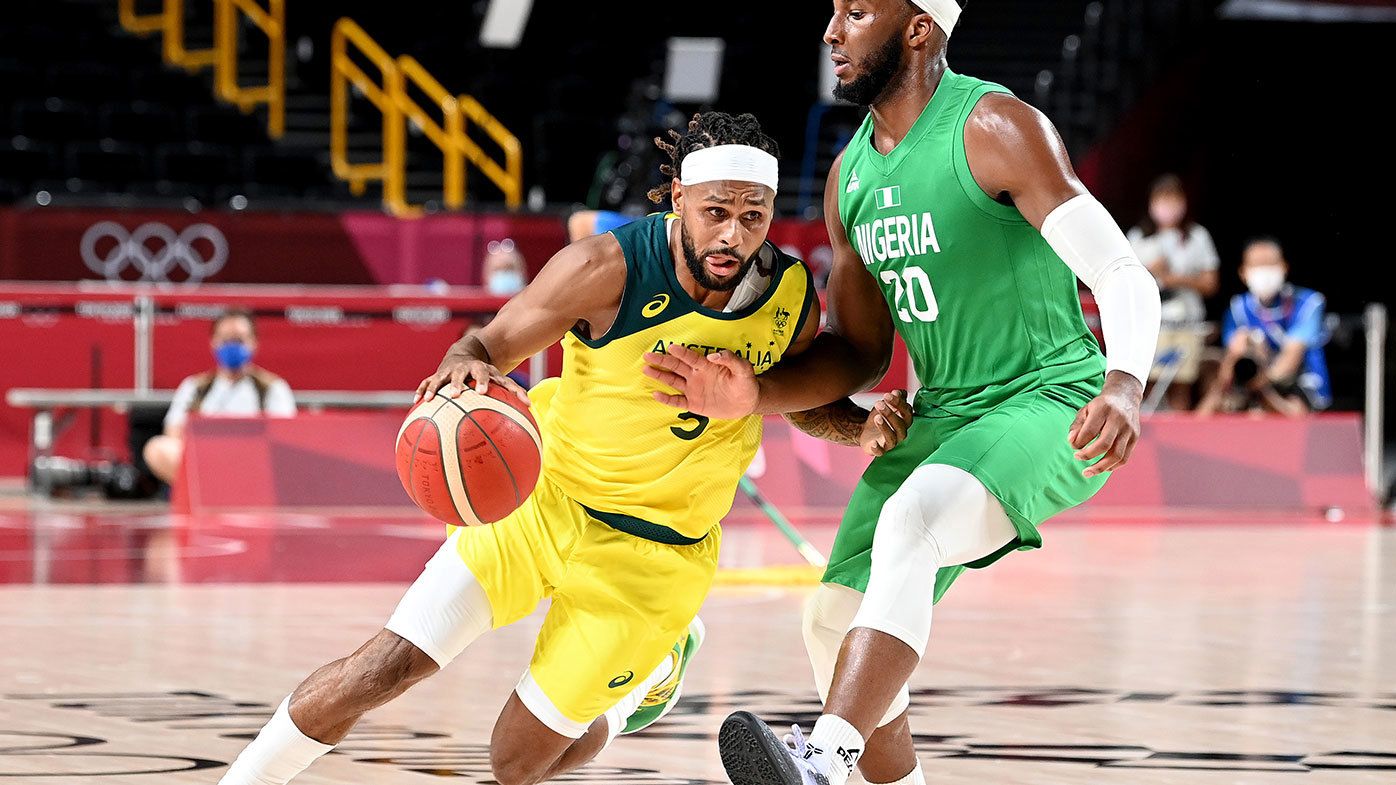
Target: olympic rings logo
133 250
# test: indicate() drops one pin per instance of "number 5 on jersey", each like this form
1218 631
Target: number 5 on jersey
689 434
912 296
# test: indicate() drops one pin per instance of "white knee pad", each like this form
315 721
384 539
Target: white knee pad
828 615
445 609
942 516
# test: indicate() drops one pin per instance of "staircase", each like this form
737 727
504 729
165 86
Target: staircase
92 115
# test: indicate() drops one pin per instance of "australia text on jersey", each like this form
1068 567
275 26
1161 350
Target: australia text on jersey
760 358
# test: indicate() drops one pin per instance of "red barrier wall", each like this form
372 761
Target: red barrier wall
1227 468
348 338
318 337
1221 468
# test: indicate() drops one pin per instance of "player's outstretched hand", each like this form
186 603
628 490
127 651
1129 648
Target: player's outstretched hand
887 424
720 384
1109 425
458 375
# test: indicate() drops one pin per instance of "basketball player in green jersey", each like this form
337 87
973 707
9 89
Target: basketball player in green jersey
957 220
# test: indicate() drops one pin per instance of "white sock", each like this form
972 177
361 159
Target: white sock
838 742
617 715
916 777
279 753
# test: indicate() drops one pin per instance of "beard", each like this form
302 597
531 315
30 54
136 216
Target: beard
699 271
877 72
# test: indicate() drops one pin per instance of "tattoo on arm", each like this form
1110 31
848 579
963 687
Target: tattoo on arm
840 422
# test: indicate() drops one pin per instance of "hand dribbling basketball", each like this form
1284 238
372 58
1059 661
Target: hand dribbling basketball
458 375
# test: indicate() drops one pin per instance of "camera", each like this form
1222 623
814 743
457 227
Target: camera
116 480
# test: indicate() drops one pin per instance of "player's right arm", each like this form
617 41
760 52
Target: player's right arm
581 284
875 430
853 353
855 306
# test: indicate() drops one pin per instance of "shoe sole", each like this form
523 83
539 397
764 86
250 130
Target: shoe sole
697 633
751 753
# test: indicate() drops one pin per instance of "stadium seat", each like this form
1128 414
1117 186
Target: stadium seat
52 119
278 173
22 162
216 124
15 76
84 81
153 82
197 168
139 122
107 162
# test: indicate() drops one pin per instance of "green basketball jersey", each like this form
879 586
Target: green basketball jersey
986 307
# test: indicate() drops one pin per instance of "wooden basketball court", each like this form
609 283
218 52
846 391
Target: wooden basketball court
1199 654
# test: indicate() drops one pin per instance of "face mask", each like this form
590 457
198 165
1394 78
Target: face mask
1167 214
505 283
233 355
1265 282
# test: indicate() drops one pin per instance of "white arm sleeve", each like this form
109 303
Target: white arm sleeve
1084 235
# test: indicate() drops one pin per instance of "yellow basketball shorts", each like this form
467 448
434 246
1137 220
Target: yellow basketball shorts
619 602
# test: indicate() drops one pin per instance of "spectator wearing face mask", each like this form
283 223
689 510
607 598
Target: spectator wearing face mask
235 388
1183 260
505 273
587 223
1274 339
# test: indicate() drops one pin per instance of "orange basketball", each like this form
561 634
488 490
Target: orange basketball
469 460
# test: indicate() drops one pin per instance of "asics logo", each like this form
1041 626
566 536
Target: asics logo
621 680
656 306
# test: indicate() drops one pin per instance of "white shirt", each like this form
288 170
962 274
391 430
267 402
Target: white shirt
230 399
1186 254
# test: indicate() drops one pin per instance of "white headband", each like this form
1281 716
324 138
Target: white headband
945 13
730 162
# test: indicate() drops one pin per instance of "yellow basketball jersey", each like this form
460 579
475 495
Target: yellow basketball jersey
630 460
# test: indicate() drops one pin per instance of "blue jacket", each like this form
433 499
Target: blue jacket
1296 315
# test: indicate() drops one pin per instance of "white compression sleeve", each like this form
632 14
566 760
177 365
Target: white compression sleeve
828 615
280 752
1084 235
940 517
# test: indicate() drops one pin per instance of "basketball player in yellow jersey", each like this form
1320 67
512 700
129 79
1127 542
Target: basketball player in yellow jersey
622 529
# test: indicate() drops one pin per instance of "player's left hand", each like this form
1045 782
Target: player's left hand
720 385
887 424
1108 425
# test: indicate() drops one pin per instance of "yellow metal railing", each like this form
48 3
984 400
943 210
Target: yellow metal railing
510 178
388 92
380 92
448 135
391 97
175 53
272 22
223 56
139 23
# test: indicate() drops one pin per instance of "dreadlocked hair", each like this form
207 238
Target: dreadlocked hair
707 129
